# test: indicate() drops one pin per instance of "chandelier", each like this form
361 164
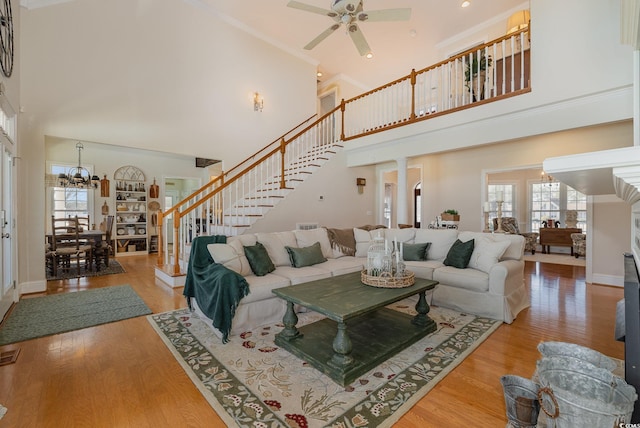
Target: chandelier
79 177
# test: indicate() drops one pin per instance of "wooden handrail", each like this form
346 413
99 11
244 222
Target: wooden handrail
222 182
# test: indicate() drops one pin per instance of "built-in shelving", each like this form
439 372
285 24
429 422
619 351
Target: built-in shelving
131 229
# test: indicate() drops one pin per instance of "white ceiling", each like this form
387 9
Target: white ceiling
397 46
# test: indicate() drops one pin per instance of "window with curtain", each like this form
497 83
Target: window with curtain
508 196
550 201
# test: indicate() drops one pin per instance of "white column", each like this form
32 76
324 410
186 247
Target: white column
401 213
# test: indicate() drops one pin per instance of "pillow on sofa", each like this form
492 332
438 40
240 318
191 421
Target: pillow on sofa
459 254
259 259
415 252
306 256
487 253
275 242
228 256
363 240
306 238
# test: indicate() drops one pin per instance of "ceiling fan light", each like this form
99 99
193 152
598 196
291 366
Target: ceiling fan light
465 3
369 55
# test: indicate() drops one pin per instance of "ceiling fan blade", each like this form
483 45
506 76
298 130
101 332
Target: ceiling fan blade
326 33
312 9
403 14
358 39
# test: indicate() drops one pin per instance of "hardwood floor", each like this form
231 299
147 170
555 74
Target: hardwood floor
122 375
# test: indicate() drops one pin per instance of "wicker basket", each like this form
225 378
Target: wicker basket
407 280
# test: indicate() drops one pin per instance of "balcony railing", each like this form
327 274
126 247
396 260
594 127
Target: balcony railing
488 72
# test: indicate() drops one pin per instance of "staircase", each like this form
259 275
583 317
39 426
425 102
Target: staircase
233 202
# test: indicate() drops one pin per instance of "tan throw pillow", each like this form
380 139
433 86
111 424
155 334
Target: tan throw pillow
227 255
486 253
275 242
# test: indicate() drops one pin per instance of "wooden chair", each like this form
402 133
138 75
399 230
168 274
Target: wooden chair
105 249
67 246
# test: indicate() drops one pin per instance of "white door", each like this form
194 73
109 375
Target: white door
7 229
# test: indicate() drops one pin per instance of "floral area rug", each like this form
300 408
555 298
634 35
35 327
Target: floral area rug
251 382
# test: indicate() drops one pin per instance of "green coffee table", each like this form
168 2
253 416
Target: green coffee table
358 332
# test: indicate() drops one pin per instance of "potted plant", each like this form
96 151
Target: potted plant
450 215
476 69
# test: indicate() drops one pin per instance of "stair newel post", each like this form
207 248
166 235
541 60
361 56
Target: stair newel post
160 240
413 94
343 107
283 149
176 242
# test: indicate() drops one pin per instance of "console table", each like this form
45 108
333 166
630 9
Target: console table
557 236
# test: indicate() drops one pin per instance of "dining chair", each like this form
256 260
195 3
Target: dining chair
67 246
105 249
84 222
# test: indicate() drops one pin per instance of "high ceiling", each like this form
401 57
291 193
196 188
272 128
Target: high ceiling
397 46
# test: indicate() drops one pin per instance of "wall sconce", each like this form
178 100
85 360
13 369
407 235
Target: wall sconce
258 102
361 182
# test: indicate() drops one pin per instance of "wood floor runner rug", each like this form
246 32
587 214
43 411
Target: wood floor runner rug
113 268
250 382
43 316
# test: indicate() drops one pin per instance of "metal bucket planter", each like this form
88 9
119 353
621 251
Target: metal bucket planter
562 349
575 393
521 400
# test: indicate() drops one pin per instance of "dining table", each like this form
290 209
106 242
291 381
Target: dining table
96 236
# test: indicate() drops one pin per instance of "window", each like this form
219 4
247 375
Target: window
68 202
550 202
508 196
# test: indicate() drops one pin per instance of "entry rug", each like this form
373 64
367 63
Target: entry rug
58 313
113 268
250 382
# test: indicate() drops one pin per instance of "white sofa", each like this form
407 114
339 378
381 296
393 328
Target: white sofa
492 285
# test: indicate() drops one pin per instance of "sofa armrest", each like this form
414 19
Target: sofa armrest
506 276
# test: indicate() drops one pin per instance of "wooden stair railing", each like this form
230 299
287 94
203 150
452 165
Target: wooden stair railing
493 71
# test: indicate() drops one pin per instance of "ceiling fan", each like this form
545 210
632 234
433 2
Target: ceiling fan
350 13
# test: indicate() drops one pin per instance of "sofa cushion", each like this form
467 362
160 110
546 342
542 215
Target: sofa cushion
306 238
468 279
259 259
244 240
306 256
515 250
441 240
400 235
261 286
486 253
423 269
228 255
275 242
343 265
301 275
459 254
363 240
415 252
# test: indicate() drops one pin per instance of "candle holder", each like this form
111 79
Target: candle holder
499 229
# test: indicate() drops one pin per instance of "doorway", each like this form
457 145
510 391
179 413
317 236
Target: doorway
175 190
7 230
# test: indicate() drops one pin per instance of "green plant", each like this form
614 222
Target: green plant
452 212
479 62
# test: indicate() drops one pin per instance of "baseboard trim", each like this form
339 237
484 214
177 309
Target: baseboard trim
32 287
615 280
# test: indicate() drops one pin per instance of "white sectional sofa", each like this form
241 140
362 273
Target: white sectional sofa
491 286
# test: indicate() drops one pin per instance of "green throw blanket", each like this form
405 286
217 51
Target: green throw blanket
217 289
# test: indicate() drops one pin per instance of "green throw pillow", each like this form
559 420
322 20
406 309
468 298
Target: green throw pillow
306 256
459 254
259 259
415 252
